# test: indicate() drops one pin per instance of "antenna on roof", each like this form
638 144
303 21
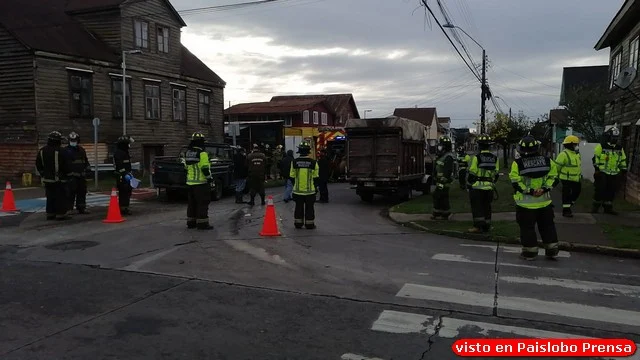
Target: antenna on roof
625 78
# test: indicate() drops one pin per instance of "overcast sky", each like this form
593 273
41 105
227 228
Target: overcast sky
389 54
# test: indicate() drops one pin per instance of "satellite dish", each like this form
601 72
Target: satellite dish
626 77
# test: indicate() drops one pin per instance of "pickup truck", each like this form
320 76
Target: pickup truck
168 172
388 156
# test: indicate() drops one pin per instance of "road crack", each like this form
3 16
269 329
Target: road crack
496 278
436 331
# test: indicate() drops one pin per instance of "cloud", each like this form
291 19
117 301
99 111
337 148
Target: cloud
388 55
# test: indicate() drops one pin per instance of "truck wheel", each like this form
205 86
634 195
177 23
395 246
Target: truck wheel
217 192
368 197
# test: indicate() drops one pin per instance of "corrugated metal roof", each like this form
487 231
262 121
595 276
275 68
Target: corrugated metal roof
273 107
334 101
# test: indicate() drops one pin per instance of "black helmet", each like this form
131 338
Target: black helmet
55 136
484 139
611 136
528 145
73 136
125 139
304 148
444 140
197 136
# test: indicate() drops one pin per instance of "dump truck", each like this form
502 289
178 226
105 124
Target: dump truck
388 156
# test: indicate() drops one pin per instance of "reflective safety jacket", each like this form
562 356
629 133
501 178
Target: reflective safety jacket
444 169
529 174
52 164
463 161
196 162
610 159
79 161
121 163
483 171
304 172
569 165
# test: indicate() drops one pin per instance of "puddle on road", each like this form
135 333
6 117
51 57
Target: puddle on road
72 245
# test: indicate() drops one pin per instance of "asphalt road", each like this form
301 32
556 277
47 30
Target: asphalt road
357 287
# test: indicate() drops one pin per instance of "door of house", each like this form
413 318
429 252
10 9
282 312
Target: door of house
150 152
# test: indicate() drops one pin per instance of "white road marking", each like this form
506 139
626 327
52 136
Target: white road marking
555 308
586 286
136 265
258 252
357 357
402 323
513 249
464 259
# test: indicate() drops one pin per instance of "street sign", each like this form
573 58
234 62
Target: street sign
234 129
96 122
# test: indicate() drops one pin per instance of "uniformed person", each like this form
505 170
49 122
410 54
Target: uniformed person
79 169
533 176
609 160
53 167
196 162
569 173
122 166
482 176
443 178
304 174
463 164
257 163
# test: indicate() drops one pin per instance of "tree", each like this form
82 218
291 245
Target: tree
585 107
507 130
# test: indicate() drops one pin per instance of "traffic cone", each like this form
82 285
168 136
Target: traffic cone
113 215
270 224
8 201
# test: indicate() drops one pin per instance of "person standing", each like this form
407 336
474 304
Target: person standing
463 164
533 177
257 163
53 167
444 177
276 161
323 176
609 160
481 178
285 168
569 166
240 172
304 172
196 162
122 167
80 167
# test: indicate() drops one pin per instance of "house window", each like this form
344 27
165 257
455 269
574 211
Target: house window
152 102
81 94
315 118
163 39
633 52
141 31
179 105
203 108
116 86
324 118
305 117
288 121
615 67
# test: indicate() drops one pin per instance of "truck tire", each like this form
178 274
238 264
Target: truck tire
366 196
218 192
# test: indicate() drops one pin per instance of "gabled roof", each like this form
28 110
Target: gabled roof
192 66
80 6
590 76
621 25
444 120
422 115
276 107
335 101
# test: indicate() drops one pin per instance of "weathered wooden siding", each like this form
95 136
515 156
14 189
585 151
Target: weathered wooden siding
16 159
17 95
106 25
155 13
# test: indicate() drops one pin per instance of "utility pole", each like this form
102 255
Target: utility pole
509 114
484 95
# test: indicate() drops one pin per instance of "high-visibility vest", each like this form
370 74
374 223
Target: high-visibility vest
610 159
463 161
444 168
569 165
304 170
483 170
531 173
196 161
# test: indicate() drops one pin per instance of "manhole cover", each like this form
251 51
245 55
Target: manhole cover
72 245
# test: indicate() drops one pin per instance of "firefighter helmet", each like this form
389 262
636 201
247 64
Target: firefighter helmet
571 139
444 140
73 136
484 139
304 148
528 145
197 136
125 139
55 136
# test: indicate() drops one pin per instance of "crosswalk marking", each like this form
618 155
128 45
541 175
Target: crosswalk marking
350 356
555 308
586 286
513 249
401 323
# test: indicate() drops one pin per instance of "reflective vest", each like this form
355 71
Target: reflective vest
609 160
304 170
463 161
483 170
569 165
196 161
444 168
531 173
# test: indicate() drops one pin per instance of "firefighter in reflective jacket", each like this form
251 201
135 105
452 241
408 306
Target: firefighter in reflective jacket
304 174
53 167
122 170
196 162
80 167
569 173
609 160
533 177
444 177
481 179
463 164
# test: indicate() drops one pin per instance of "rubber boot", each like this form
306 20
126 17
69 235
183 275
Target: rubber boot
566 212
528 256
551 253
475 230
204 226
262 202
191 224
83 211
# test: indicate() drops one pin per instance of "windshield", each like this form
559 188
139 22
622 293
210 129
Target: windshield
219 152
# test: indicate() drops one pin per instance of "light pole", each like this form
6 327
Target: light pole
124 88
483 86
365 113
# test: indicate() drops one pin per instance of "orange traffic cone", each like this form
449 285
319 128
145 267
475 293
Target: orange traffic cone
113 215
8 201
270 224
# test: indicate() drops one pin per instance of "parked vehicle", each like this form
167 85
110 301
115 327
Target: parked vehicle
168 172
388 156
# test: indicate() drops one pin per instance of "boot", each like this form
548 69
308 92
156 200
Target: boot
204 226
191 224
252 201
566 212
475 230
83 211
551 253
51 217
262 202
239 199
610 211
528 256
